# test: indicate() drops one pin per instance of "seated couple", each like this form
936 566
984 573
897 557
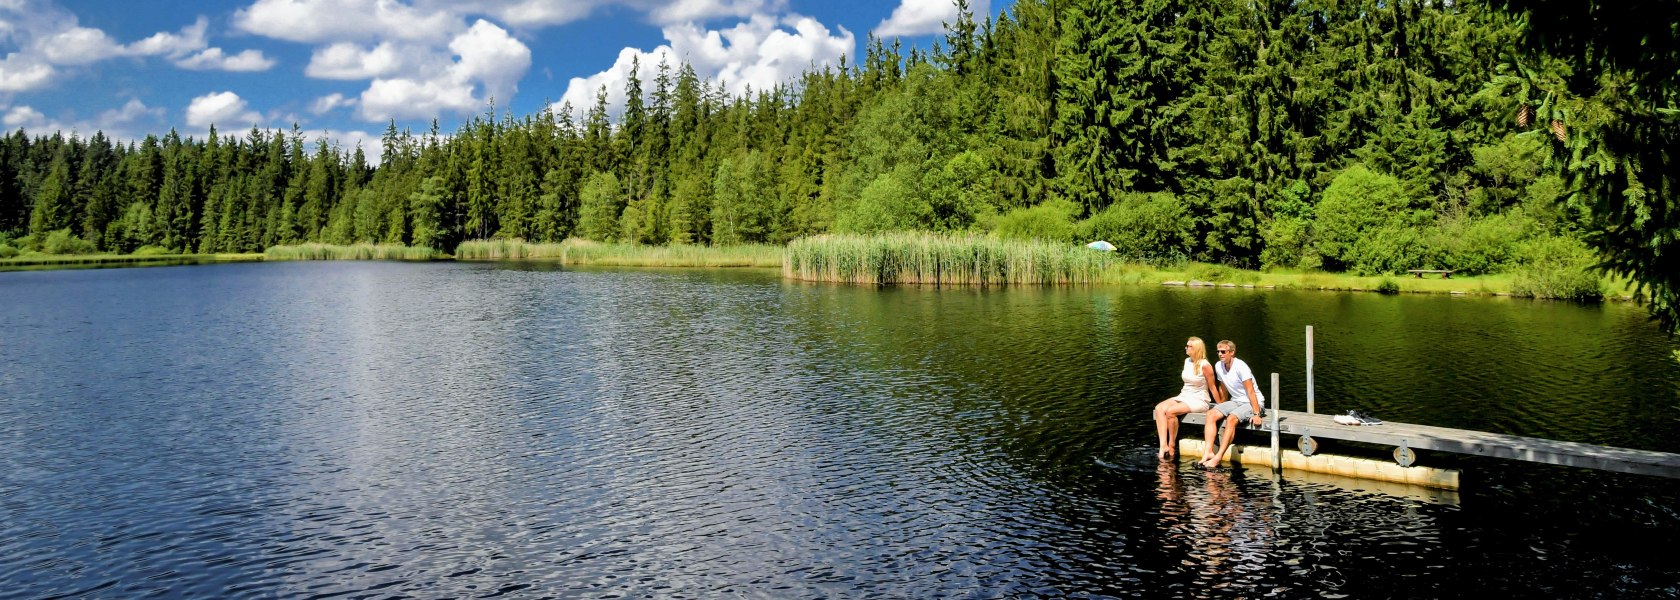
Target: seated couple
1236 396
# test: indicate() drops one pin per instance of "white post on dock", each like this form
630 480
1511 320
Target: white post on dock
1309 371
1277 455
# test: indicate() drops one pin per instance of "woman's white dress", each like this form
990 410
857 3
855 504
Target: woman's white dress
1195 392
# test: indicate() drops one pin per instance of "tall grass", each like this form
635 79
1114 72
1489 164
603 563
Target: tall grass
944 259
1558 282
584 252
503 249
351 252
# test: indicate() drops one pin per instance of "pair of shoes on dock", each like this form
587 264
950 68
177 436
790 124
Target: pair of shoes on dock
1355 417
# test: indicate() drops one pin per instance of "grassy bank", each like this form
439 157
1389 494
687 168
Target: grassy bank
944 259
583 252
75 261
352 252
976 260
1522 285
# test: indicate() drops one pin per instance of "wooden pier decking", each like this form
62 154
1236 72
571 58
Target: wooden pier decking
1475 443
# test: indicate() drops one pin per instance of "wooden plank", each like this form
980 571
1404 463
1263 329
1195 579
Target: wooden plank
1475 443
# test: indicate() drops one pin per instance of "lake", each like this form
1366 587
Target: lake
370 430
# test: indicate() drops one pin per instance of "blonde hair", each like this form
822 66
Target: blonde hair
1198 350
1228 344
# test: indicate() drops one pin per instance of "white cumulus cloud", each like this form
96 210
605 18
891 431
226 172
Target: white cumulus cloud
491 56
347 141
212 59
346 20
48 37
756 54
20 72
347 60
689 11
922 17
78 46
190 38
26 117
327 103
489 60
541 13
132 120
122 118
223 109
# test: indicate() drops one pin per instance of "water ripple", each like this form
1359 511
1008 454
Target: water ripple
368 429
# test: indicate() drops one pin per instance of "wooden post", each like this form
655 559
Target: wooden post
1309 371
1277 455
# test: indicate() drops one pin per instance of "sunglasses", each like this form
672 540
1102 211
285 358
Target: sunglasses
1224 351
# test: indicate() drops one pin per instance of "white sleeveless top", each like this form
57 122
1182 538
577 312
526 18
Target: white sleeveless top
1193 380
1195 392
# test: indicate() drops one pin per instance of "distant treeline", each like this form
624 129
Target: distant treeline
1332 134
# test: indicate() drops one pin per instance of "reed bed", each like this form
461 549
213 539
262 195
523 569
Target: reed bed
584 252
923 258
351 252
506 249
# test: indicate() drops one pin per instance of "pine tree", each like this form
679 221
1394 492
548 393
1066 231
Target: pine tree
54 199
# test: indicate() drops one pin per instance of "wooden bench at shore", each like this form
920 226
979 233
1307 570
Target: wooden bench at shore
1419 273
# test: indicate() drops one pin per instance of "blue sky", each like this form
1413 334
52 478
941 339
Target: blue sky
345 68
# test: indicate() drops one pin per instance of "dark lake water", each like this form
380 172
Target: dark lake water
372 430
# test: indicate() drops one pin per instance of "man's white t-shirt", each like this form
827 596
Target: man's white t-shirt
1234 378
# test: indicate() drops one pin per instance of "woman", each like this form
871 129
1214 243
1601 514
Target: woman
1197 373
1243 402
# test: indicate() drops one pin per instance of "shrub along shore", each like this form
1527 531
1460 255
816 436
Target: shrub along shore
913 258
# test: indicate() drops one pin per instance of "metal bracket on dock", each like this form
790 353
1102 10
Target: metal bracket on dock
1404 456
1307 444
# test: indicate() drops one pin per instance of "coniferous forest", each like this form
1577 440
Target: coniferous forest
1358 136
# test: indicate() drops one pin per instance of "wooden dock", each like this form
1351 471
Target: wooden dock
1407 437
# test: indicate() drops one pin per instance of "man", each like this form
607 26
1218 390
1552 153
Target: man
1242 402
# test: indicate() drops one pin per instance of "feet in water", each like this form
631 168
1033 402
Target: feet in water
1164 454
1208 462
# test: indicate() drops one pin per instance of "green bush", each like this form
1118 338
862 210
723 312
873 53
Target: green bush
1051 220
961 193
1388 286
1288 245
1388 249
1152 228
1478 245
1359 205
6 251
887 204
61 242
1557 267
151 251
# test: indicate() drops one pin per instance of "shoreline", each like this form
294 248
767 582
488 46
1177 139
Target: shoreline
1193 275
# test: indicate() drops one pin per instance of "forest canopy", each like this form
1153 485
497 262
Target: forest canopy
1365 136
